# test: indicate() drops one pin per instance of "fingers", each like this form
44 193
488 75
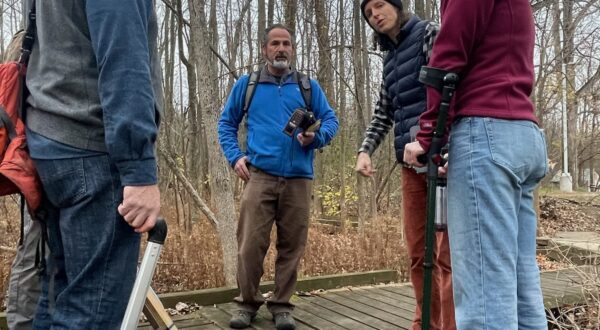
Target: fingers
411 152
364 166
364 169
140 207
367 172
241 169
305 138
147 225
443 170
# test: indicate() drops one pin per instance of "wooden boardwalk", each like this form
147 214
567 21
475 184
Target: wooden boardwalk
375 307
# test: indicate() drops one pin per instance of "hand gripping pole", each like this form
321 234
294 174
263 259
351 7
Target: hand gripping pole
156 239
445 82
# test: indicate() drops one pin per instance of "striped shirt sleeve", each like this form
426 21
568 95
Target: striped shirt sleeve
380 125
431 31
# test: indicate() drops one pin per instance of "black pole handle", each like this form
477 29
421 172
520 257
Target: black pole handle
158 234
423 160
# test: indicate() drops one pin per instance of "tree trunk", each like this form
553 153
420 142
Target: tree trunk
220 179
262 24
290 8
341 106
568 51
359 92
420 8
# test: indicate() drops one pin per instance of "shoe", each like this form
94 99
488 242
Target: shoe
284 321
241 319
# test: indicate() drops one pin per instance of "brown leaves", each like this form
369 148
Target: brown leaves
559 214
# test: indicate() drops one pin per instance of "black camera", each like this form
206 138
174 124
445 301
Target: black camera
303 119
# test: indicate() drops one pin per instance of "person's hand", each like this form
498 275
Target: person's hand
411 152
140 206
241 169
305 138
443 170
363 165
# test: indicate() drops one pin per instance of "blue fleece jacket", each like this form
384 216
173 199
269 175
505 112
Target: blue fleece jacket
267 147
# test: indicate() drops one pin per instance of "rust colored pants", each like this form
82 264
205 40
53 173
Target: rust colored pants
414 212
266 200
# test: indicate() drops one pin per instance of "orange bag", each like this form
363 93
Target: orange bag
17 170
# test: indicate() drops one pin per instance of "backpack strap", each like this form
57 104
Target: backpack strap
251 89
29 38
304 84
7 122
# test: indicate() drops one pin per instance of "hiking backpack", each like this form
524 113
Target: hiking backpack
17 170
303 83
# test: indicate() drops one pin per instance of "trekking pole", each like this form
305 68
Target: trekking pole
156 239
445 82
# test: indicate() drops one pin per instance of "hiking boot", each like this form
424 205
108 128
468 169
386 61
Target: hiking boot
241 319
284 321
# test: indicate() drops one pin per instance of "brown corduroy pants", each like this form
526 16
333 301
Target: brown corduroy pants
269 199
414 212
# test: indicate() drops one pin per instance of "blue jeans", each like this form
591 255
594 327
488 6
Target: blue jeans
93 252
494 167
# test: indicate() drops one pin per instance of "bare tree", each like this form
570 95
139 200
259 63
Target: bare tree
220 178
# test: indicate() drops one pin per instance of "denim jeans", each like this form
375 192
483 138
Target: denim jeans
494 167
93 251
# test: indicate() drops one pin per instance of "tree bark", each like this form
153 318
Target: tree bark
220 178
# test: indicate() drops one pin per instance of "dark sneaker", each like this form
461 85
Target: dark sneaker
284 321
241 319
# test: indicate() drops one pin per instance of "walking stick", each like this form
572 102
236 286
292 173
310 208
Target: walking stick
445 82
139 294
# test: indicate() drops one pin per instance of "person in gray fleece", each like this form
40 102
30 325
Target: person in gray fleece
92 117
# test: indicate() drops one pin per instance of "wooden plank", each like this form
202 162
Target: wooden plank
155 312
202 327
377 304
314 320
406 291
574 274
213 296
217 315
331 316
194 320
351 313
409 307
389 297
560 286
383 315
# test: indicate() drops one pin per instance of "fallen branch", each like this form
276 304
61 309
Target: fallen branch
188 187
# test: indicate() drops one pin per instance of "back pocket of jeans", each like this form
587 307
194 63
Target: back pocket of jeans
63 180
512 144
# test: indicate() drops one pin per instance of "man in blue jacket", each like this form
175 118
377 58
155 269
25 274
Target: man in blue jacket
278 171
92 116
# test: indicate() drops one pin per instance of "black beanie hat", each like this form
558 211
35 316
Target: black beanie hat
395 3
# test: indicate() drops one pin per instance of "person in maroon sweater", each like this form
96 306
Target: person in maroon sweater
497 157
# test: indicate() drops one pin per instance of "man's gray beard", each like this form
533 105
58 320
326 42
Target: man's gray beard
280 65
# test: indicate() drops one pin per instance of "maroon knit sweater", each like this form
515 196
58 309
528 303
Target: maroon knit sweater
489 43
